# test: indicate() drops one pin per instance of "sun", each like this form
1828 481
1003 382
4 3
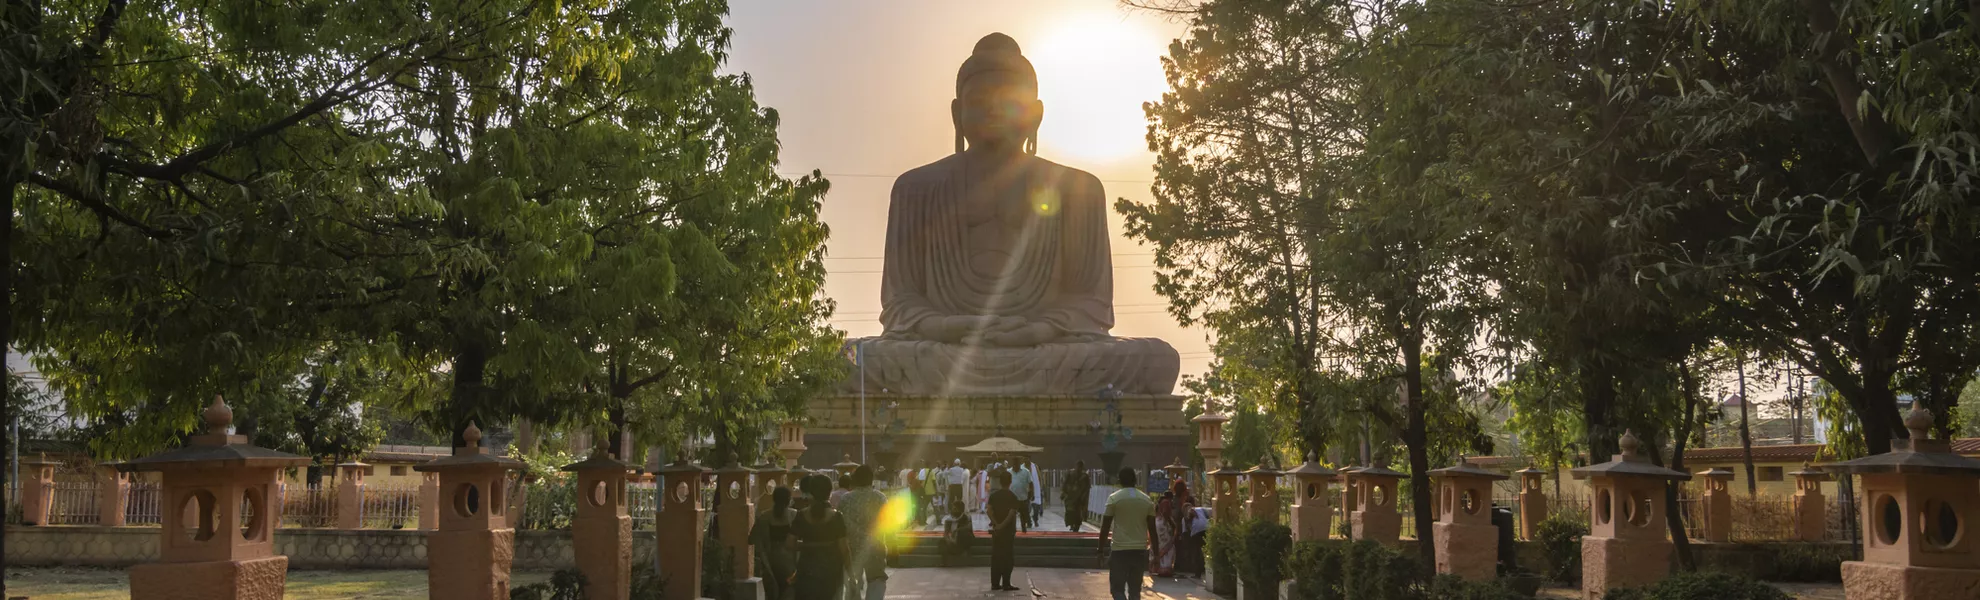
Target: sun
1094 71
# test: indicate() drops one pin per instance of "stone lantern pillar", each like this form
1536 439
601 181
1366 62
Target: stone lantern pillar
1312 519
679 523
1717 504
790 444
1210 437
601 532
1224 499
1467 542
1532 502
1811 512
428 502
37 489
1919 499
112 494
228 486
1628 544
768 477
1178 471
1264 502
1350 493
350 495
469 556
846 466
1375 517
735 514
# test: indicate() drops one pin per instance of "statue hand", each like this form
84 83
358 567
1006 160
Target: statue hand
1030 334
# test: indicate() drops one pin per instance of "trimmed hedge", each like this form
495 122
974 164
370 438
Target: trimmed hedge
1701 586
1561 536
1342 570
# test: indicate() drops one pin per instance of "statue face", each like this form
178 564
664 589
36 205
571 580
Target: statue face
997 109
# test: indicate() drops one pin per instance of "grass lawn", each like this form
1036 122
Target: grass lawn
108 584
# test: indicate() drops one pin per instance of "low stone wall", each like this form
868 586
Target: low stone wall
119 547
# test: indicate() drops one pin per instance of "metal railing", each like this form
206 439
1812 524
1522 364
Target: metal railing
389 507
75 504
308 506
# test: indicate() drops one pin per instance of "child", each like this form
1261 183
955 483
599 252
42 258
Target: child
958 533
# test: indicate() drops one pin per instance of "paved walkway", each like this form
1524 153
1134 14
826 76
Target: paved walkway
1070 584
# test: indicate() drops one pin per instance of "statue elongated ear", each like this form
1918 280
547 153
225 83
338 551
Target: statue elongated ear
955 120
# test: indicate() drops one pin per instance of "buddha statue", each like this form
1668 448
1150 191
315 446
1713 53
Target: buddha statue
998 279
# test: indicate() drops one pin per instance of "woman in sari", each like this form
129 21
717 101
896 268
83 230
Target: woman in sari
771 537
1189 548
1162 556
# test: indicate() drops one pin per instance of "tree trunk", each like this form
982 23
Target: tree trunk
1416 437
1598 391
1746 433
464 400
1683 433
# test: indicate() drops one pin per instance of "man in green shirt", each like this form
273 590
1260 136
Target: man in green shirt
1127 554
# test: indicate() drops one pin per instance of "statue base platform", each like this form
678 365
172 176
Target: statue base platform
252 579
936 426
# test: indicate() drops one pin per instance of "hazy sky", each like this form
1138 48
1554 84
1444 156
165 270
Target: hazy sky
863 87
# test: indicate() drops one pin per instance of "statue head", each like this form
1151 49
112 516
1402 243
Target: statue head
996 103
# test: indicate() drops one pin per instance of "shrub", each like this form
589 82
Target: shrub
1452 587
647 583
1560 535
1263 558
566 584
718 575
1701 586
1338 570
1810 562
1224 542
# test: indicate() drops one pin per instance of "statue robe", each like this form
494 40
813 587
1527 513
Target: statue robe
1031 243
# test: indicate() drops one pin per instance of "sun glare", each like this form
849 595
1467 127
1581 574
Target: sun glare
1094 71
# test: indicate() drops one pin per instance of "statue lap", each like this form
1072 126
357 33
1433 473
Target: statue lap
1130 365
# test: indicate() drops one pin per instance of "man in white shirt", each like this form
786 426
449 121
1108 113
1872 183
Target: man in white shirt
957 477
1037 494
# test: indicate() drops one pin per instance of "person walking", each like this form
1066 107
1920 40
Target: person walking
1020 484
1168 521
1037 495
1004 510
771 537
957 476
1129 519
821 534
1074 493
867 575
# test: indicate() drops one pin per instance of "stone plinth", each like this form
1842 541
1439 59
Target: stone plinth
939 425
679 522
1610 563
1717 504
1467 545
220 512
1627 543
1263 505
37 489
601 531
1312 519
1224 498
1375 518
350 495
735 514
1811 510
1532 502
470 554
1919 500
112 495
248 579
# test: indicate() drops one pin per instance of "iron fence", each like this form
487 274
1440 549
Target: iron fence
308 506
389 507
75 504
141 504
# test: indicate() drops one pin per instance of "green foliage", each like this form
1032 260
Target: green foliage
1560 537
565 584
1262 556
1222 546
1701 586
1800 562
1452 587
647 582
552 499
564 212
1364 570
718 570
